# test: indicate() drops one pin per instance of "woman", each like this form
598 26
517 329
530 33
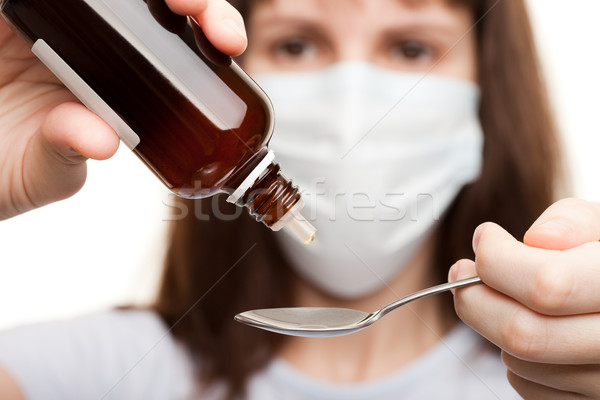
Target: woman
532 306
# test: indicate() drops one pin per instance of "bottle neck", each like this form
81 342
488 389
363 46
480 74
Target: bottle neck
272 199
271 196
258 165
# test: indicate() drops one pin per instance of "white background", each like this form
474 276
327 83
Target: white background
104 246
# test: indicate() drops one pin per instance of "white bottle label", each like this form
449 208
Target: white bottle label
84 92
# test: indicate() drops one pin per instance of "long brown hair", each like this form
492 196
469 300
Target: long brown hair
216 268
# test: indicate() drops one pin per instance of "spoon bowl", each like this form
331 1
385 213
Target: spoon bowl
307 321
327 321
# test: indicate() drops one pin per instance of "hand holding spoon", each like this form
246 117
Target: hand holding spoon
325 322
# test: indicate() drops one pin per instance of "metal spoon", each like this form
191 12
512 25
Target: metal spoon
326 322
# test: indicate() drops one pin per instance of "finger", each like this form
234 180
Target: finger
549 281
54 163
531 390
583 379
220 21
188 7
566 224
71 126
523 332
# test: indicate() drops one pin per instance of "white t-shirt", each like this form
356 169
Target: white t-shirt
130 354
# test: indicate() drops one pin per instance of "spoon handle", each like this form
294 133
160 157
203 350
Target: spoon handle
427 292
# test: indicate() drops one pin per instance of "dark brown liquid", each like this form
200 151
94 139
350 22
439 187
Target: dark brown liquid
271 196
186 149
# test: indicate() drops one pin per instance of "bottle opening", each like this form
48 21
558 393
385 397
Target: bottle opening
295 222
301 228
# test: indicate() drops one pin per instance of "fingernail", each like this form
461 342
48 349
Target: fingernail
453 273
237 28
476 237
556 225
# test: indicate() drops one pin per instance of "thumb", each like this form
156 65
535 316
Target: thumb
564 225
54 164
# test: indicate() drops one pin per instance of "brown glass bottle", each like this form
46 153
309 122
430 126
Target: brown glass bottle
188 112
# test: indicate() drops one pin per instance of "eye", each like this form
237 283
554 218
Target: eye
411 50
297 47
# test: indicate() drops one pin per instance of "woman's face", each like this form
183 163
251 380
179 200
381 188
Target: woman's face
405 35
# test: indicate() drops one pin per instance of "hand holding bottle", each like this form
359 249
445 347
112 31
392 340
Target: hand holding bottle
46 135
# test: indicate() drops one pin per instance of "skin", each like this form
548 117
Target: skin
400 35
419 37
539 304
46 136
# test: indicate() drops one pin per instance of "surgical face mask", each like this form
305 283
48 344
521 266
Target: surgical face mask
379 156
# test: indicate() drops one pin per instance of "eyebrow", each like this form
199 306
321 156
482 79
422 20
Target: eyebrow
311 24
441 28
307 25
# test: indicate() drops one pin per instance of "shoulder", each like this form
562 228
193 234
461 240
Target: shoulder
111 354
